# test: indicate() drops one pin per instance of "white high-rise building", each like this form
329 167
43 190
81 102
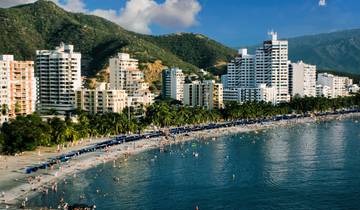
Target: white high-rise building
173 81
338 85
125 75
302 79
123 70
271 67
241 73
59 76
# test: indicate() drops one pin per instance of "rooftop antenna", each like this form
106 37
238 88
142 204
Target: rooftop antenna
273 35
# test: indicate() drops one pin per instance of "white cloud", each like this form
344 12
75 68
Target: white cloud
11 3
322 3
137 15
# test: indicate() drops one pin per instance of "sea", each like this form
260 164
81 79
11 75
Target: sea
303 167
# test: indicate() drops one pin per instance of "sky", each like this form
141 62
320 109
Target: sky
232 22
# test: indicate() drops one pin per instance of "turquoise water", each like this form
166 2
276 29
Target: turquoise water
313 166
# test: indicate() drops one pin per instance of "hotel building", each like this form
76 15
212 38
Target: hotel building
59 76
241 72
271 67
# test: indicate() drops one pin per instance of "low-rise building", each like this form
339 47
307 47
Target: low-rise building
338 85
323 91
354 88
101 100
260 93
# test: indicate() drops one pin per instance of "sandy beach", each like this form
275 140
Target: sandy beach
16 185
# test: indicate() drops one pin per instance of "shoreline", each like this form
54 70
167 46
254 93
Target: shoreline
20 191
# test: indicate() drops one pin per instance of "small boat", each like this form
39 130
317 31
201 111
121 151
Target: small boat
195 154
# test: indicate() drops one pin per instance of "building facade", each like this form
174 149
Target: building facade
173 81
241 73
323 91
207 94
18 86
338 85
123 71
302 79
125 75
271 67
59 76
101 100
242 95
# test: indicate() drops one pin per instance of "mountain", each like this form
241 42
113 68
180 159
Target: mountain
43 25
196 49
336 52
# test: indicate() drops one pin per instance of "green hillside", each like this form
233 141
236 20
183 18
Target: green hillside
338 51
196 49
43 25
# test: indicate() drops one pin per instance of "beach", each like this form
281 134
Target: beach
15 184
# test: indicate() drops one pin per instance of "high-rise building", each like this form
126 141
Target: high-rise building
101 100
59 76
206 94
173 84
271 67
125 75
4 87
124 71
18 86
338 85
241 73
302 79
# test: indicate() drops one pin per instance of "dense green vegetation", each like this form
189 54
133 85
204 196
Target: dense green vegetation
43 25
28 132
196 49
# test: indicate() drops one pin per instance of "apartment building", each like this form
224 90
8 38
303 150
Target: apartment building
302 79
173 81
18 86
206 94
59 76
338 85
101 100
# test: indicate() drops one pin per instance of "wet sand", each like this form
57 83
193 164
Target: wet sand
14 182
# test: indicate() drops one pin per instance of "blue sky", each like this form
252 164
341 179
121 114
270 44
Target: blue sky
245 22
232 22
